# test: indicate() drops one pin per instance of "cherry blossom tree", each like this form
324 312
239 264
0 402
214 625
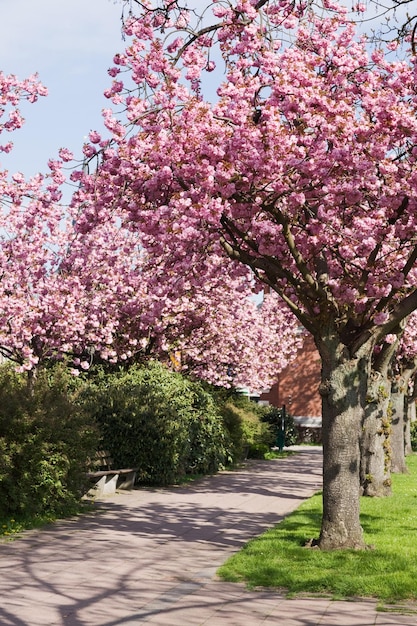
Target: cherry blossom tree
410 413
135 308
226 338
12 92
391 21
98 294
47 310
302 168
50 306
27 208
386 425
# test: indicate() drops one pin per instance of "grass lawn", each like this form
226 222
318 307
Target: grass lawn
279 559
10 528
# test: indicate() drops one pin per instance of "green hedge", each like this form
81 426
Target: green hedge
45 440
250 436
158 421
147 417
273 415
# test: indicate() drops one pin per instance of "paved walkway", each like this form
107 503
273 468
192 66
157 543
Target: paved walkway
149 557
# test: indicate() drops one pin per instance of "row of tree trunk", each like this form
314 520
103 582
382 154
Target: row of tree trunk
386 437
366 414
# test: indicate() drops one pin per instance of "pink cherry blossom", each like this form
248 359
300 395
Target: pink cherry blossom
299 166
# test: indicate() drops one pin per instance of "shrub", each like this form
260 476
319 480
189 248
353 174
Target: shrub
158 421
233 423
209 444
45 440
249 436
273 415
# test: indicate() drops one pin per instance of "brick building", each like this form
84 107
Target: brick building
297 387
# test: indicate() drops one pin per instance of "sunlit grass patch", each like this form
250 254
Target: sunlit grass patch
279 558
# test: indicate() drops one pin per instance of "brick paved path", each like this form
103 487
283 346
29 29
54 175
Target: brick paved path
149 557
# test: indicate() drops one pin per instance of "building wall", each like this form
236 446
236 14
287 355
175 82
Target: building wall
297 386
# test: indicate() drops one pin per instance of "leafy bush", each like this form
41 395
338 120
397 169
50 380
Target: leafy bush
233 423
45 440
209 444
273 416
158 421
250 437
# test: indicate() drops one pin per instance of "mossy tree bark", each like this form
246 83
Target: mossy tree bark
375 468
343 390
398 425
400 422
410 412
400 429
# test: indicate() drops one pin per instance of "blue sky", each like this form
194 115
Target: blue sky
71 45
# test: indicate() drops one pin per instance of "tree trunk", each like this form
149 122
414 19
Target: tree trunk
375 471
375 475
343 389
31 379
398 464
410 407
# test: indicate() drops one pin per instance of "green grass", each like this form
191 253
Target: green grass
388 572
275 454
10 528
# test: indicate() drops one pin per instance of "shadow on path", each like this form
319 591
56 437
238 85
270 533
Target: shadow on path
149 556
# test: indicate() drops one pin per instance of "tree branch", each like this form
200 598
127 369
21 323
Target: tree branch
400 311
261 263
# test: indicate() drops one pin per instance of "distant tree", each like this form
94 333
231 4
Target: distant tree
404 371
375 467
99 295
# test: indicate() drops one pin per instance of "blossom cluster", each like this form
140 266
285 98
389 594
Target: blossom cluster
303 167
12 92
78 282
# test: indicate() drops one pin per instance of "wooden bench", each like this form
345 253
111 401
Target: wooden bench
106 478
